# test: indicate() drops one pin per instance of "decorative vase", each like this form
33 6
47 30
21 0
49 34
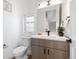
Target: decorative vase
61 31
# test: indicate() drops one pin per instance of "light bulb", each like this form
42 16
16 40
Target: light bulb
43 4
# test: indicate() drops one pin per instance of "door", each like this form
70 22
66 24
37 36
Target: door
50 53
59 54
38 52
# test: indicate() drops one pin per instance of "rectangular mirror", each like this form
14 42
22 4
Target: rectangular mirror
48 18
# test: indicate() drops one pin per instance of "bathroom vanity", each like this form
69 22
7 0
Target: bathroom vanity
51 46
50 49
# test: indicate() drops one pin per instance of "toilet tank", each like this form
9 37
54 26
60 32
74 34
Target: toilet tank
26 41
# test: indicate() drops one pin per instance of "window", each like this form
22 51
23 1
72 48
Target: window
29 24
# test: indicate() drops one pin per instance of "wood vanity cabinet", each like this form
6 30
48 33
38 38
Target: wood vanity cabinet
38 52
49 49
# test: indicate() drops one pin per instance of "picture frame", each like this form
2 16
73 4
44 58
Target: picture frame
7 6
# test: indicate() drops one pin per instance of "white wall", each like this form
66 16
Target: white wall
11 28
30 9
13 24
72 27
69 9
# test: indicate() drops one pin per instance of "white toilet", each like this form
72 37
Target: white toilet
21 51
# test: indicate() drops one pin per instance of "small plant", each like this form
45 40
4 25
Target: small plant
60 29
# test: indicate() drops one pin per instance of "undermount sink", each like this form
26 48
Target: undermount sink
45 36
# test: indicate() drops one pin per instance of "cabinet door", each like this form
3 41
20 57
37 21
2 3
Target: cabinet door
50 53
58 54
38 52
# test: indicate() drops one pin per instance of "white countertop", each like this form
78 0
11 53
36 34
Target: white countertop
51 37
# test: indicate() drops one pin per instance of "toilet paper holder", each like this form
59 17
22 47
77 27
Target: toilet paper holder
5 46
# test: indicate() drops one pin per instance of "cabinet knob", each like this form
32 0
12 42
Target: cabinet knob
48 51
44 51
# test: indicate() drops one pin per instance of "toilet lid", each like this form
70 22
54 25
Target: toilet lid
19 49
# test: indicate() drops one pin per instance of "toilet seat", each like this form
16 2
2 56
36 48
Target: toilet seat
19 51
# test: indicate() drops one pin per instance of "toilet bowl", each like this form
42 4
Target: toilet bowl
19 52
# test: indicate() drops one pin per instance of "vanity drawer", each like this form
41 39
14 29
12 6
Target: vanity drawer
42 42
61 45
34 41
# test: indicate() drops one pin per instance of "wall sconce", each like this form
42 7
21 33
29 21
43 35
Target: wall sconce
49 3
42 5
